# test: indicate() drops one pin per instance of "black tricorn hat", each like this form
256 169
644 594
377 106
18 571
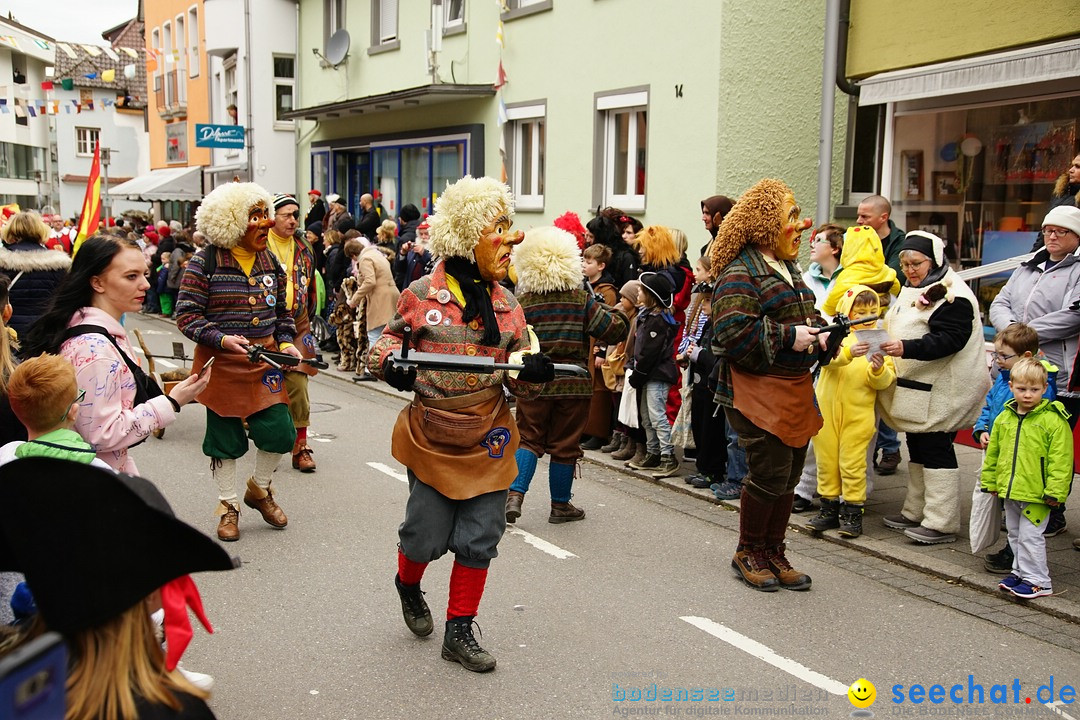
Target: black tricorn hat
93 543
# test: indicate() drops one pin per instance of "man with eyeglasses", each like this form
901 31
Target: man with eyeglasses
1044 292
298 260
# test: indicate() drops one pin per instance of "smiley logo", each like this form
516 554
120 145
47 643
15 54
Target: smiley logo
862 693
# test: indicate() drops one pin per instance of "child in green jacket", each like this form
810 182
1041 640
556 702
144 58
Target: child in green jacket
1029 464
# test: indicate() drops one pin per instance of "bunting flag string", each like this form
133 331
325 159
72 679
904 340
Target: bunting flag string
66 49
111 53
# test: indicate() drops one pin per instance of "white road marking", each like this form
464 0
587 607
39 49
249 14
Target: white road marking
541 544
387 470
753 647
538 543
1053 707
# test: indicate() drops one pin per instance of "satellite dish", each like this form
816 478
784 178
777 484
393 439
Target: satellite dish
337 47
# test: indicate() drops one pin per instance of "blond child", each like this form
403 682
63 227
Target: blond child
1029 465
45 397
846 391
598 429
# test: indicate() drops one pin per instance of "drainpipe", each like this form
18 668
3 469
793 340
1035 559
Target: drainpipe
247 72
837 19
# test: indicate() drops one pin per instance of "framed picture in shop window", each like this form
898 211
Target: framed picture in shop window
946 187
911 173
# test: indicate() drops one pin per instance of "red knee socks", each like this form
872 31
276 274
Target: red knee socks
301 436
466 589
409 572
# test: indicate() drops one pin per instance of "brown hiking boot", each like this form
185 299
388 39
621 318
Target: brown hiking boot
753 568
513 505
302 459
625 452
789 577
564 513
271 513
228 528
888 463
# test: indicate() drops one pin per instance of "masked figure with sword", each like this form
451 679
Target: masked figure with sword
457 437
231 299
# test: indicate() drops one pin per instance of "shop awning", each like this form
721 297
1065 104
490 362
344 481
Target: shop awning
181 183
396 100
1055 61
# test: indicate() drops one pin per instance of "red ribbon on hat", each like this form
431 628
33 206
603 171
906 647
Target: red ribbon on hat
176 596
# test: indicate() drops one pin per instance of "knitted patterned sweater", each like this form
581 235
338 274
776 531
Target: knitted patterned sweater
564 322
754 315
233 302
434 314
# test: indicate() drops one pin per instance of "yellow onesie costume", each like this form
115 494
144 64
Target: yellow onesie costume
864 264
846 391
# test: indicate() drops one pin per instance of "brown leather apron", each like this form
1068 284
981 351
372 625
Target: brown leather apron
305 343
237 387
462 446
783 406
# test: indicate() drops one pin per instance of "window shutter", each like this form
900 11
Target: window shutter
388 16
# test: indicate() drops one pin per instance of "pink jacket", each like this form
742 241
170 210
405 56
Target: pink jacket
107 419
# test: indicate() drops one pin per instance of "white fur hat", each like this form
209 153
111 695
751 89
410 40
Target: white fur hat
223 215
464 209
547 260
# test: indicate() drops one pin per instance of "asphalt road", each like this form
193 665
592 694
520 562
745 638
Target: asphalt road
578 615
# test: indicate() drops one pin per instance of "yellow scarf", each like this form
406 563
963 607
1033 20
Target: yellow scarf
285 250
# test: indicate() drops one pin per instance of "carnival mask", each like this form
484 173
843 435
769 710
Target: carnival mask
788 246
492 251
259 224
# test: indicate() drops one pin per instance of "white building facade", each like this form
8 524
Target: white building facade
251 51
24 136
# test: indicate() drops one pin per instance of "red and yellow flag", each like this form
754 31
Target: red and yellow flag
91 209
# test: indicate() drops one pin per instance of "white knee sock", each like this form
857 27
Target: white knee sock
224 472
265 465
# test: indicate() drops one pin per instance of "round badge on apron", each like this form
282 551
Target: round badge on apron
433 317
443 296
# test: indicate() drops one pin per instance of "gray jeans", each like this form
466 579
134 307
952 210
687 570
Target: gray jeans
434 523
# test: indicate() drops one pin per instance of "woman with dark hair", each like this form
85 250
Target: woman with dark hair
1066 193
122 405
624 261
33 269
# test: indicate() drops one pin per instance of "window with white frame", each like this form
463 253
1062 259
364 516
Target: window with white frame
168 62
284 85
333 18
624 120
527 153
455 14
159 62
232 94
85 139
181 59
384 21
193 41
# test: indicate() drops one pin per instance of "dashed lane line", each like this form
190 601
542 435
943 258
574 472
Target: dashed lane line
761 652
387 470
536 542
541 544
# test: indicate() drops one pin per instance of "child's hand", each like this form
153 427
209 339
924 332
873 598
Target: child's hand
859 349
876 361
984 440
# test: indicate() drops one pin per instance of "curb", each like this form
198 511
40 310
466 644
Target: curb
910 558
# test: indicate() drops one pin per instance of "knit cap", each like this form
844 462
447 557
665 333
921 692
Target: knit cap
1064 216
283 200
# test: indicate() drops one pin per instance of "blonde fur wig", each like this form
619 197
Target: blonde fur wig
657 246
548 260
223 215
756 219
462 211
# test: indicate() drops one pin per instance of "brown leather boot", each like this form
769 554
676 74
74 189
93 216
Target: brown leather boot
513 505
262 500
789 577
302 459
628 451
564 513
752 565
228 528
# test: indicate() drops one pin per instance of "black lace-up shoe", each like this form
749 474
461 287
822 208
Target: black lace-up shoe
460 646
414 608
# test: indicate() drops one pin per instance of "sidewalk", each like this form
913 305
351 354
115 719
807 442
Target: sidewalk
952 562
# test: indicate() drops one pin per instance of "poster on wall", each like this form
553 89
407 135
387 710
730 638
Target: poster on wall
176 142
1031 152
